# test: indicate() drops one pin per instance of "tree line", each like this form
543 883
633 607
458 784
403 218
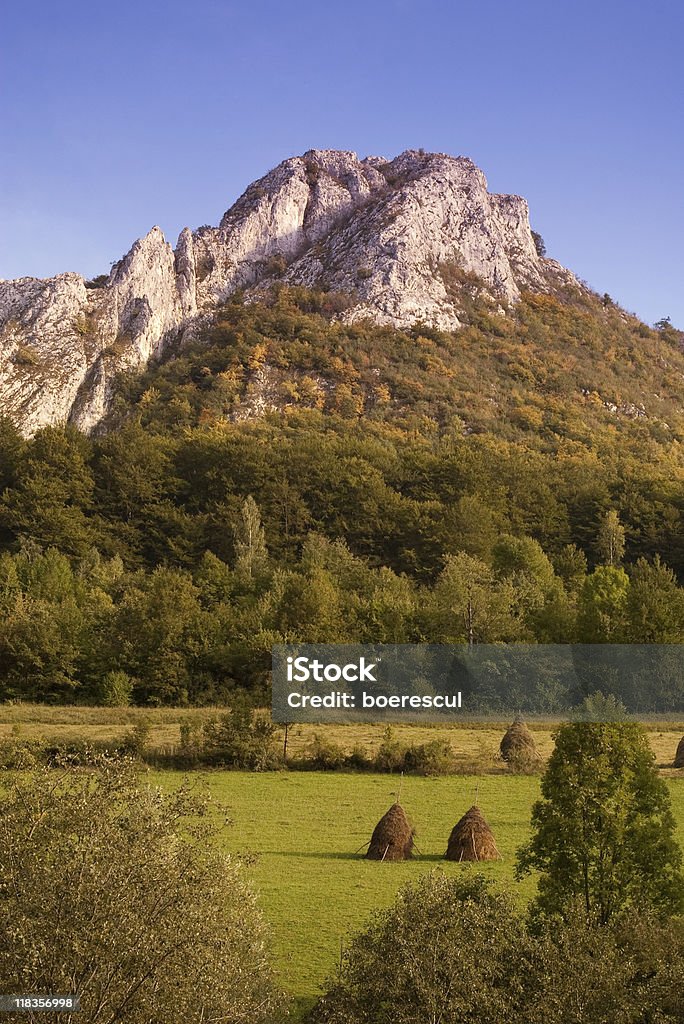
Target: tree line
85 628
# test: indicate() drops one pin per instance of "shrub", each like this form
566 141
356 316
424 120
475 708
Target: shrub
539 243
18 754
136 741
324 755
114 690
359 759
114 890
391 753
190 745
240 739
97 282
433 758
454 950
446 951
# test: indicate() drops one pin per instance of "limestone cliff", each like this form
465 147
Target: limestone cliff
402 238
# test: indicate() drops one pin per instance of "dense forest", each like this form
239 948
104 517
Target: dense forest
287 476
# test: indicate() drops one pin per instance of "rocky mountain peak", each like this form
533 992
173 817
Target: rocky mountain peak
401 237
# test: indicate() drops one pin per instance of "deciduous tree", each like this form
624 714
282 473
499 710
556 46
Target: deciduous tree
603 830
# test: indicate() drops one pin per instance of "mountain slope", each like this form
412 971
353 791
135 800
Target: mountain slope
405 240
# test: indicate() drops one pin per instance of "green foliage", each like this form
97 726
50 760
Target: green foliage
322 754
454 950
655 604
603 831
539 243
611 539
391 753
97 282
53 492
116 892
240 739
472 604
137 740
631 971
433 758
250 542
446 951
603 603
114 690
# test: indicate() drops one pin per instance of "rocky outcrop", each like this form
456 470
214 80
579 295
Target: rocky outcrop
402 238
62 342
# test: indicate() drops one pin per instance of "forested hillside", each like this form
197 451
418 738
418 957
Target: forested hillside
291 477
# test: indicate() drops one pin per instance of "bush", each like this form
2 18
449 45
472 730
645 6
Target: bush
240 739
114 690
433 758
114 890
446 951
78 753
97 282
17 754
359 759
135 743
190 745
20 754
454 950
632 972
324 755
539 243
391 753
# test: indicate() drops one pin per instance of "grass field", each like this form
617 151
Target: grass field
302 830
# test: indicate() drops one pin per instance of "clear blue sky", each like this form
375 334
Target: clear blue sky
121 115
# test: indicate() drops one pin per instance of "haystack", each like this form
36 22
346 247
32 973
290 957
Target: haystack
471 838
392 837
518 743
679 756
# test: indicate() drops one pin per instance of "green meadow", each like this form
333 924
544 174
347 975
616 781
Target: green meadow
302 834
303 831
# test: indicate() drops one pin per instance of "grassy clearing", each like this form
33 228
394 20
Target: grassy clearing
304 831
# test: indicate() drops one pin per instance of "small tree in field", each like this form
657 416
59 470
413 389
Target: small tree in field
112 890
603 831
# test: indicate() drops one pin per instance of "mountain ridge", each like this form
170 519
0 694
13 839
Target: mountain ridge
404 239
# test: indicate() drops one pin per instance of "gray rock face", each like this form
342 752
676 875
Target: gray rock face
401 237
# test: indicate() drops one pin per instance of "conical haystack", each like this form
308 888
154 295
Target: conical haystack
518 743
679 756
392 837
471 838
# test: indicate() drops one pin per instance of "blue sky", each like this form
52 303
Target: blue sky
123 115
